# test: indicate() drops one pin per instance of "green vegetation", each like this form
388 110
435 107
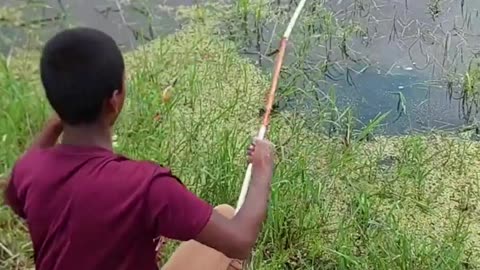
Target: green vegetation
338 201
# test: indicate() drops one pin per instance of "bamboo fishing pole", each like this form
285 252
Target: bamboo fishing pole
271 97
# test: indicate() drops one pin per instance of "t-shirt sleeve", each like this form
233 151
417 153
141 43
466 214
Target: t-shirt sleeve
173 211
12 198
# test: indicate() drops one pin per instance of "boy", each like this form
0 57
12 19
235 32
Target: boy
88 208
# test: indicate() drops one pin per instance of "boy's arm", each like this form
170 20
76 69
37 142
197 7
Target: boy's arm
10 196
176 213
236 237
12 200
48 136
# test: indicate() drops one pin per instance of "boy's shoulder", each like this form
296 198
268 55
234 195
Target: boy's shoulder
140 170
146 167
41 161
28 160
39 173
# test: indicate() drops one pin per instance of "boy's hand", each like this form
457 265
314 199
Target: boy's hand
49 135
236 236
260 154
54 121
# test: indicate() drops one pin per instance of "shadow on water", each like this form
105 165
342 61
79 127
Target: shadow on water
408 45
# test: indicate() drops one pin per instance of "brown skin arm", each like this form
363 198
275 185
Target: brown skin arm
48 136
236 237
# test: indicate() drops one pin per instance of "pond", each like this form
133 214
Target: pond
401 63
412 50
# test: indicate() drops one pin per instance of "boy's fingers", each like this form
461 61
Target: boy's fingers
250 149
249 159
263 143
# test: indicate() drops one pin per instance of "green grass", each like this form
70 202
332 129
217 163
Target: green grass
393 203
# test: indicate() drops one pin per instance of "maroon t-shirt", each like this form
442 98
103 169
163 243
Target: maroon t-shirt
90 209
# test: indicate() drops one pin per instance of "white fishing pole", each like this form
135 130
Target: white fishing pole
271 97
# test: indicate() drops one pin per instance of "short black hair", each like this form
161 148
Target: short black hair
80 68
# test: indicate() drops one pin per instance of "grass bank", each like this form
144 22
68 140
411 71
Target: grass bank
393 203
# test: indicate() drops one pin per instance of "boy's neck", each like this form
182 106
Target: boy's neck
88 135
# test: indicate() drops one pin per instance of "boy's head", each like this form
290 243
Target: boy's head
82 71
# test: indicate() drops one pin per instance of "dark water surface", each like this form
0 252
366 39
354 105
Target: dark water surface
405 52
407 55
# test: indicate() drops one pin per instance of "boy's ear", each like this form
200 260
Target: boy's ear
118 98
115 105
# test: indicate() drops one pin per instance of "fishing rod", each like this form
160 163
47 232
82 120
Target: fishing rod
271 97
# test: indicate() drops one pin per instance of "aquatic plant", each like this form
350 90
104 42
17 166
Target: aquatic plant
434 8
471 89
